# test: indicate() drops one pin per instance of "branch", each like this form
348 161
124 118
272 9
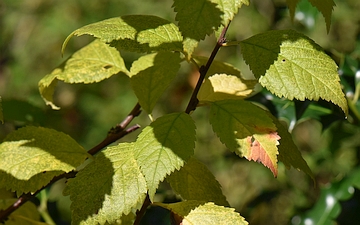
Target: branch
113 135
140 213
204 69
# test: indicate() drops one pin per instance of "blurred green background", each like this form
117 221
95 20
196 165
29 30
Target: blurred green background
32 32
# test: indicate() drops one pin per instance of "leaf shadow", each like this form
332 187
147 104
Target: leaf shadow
137 44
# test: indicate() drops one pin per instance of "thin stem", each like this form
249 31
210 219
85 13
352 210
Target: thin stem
204 69
113 135
140 213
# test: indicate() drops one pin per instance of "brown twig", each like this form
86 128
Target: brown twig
204 69
113 135
140 213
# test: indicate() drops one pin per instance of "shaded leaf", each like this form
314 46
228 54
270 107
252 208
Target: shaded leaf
197 18
151 75
288 151
243 128
164 146
223 86
27 214
139 33
93 63
31 156
194 181
207 213
290 64
110 186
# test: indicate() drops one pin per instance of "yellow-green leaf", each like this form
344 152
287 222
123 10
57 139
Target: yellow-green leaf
139 33
189 182
291 65
31 156
93 63
223 86
164 146
107 188
204 213
151 75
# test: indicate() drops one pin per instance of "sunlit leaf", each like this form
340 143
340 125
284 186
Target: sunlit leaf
164 146
290 64
204 213
223 86
189 182
151 75
139 33
27 214
229 8
31 156
93 63
110 186
247 130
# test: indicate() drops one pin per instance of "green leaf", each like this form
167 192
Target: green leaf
164 146
288 151
197 18
139 33
31 156
151 75
324 6
290 64
229 8
222 86
93 63
207 213
27 214
247 130
328 206
110 186
194 181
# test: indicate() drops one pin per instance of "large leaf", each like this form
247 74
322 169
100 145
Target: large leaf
204 213
247 130
139 33
151 75
164 146
31 156
290 64
222 86
27 214
107 188
194 181
93 63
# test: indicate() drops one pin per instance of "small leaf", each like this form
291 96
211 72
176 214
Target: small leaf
110 186
207 213
31 156
290 64
27 214
194 181
164 146
222 86
139 33
247 130
93 63
151 75
229 8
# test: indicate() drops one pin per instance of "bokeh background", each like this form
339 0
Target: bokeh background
31 35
